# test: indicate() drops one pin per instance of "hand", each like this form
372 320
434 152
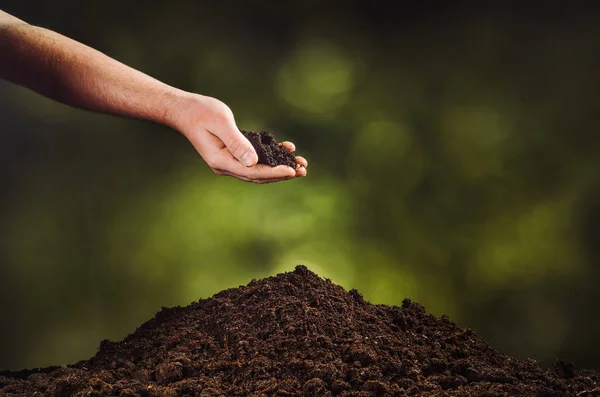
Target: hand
210 126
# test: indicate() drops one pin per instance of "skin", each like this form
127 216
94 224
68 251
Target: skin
79 76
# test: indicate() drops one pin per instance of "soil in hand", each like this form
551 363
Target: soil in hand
269 151
297 334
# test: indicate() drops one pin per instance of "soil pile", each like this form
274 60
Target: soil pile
299 335
268 150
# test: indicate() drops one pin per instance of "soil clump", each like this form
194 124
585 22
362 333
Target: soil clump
269 151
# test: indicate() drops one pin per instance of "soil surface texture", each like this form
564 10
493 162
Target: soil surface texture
297 334
269 151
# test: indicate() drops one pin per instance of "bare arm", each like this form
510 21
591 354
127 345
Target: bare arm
77 75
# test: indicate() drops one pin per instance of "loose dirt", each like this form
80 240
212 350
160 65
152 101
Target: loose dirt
269 151
297 334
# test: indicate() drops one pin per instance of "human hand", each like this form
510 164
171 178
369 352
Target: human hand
210 126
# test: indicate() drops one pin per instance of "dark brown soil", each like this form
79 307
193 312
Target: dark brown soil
299 335
269 151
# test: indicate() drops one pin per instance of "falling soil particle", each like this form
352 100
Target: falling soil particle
269 151
299 335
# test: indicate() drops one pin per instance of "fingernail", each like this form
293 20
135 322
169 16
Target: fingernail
248 159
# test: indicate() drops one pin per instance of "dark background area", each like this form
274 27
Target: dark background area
453 150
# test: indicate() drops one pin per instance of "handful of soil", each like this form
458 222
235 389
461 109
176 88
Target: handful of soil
269 151
299 335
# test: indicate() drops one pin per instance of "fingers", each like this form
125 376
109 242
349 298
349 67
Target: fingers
237 144
301 171
289 146
228 165
299 159
263 174
302 161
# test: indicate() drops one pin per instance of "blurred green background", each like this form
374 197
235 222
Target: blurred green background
453 152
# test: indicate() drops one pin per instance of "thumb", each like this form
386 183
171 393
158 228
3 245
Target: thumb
239 146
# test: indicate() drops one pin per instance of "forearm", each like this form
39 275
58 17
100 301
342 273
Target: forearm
77 75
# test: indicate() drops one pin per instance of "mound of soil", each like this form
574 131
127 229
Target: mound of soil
299 335
269 151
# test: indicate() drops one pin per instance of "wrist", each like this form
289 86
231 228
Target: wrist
189 111
177 104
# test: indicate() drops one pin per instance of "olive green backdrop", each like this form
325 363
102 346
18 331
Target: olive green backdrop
453 150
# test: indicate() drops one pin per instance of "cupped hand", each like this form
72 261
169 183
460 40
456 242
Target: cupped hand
211 128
